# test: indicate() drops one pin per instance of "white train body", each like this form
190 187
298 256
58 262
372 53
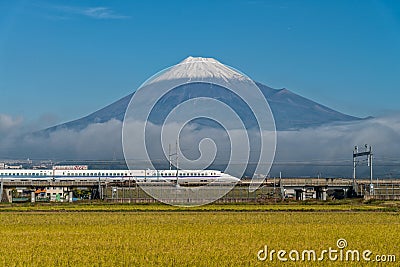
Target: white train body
180 176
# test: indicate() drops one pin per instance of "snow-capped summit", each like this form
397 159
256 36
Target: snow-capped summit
200 68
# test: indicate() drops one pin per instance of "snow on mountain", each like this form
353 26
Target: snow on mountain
199 68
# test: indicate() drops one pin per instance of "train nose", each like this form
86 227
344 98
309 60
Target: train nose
229 178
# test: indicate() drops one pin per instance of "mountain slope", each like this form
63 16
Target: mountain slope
290 110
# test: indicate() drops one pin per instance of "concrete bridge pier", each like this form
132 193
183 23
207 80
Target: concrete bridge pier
33 197
70 196
321 193
300 194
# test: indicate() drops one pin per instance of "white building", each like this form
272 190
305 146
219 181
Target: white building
57 193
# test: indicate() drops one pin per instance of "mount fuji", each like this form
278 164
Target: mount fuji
291 111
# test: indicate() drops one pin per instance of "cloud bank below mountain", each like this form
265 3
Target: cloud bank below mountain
305 152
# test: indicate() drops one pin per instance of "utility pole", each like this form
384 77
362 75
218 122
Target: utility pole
371 185
368 153
176 154
169 156
355 152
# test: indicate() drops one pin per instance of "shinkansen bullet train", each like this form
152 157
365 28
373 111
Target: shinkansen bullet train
81 173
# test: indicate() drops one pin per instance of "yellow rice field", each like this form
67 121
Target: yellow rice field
164 237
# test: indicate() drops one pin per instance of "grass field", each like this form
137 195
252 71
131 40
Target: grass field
215 235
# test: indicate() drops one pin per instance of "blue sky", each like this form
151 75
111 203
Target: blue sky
61 60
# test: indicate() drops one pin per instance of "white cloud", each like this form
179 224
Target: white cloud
9 124
102 13
326 149
98 12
